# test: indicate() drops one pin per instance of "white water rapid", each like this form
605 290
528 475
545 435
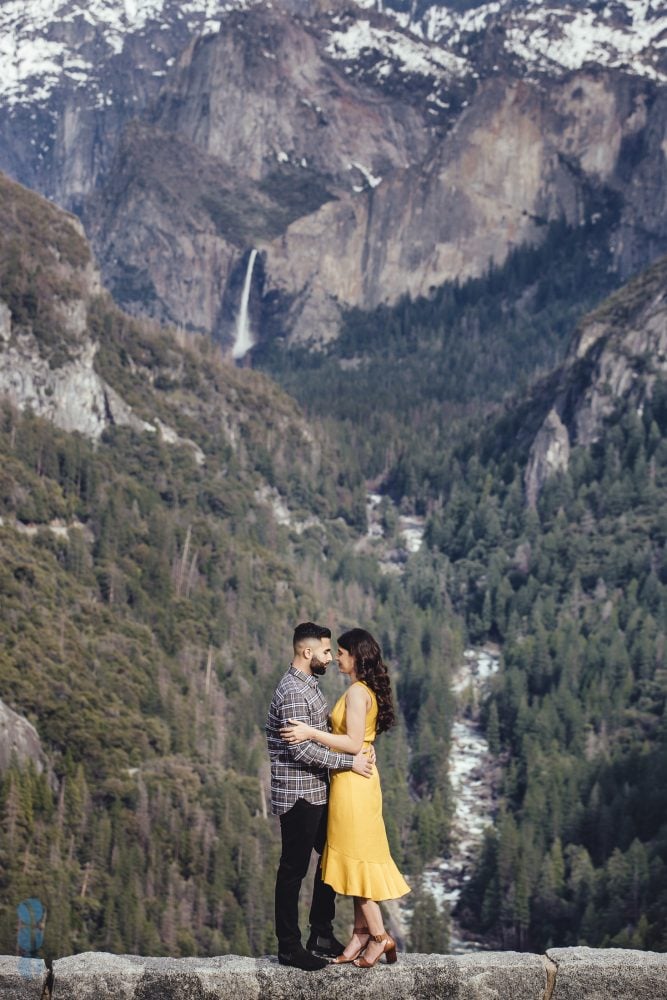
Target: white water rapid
405 539
471 771
243 341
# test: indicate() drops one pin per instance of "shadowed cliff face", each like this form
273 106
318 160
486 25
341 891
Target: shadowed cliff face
365 202
298 135
616 357
520 155
368 201
254 130
262 92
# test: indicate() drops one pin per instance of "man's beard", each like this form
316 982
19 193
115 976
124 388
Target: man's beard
318 667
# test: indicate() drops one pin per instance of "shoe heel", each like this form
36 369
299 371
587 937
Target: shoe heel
391 953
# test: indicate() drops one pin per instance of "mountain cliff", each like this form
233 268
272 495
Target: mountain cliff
364 155
618 355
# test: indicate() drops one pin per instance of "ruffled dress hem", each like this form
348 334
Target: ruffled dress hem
367 879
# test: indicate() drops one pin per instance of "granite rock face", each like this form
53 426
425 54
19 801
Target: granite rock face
616 357
550 454
362 160
47 366
369 202
72 396
19 737
47 358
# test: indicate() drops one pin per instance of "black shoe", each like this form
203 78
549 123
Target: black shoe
324 945
299 958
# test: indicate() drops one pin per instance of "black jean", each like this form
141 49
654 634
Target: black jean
303 829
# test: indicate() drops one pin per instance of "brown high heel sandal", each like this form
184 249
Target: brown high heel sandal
389 950
341 960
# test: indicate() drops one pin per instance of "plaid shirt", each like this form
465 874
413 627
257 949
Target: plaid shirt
299 770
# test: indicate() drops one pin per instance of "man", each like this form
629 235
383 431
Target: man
299 791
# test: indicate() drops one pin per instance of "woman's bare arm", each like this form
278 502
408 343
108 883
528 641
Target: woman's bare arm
357 703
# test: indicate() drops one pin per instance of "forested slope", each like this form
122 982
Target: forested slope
151 578
576 592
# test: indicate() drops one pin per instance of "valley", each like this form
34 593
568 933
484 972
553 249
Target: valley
346 314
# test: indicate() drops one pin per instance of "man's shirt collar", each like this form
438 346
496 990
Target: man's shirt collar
308 679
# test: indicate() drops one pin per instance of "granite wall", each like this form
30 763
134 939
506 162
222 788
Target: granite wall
561 974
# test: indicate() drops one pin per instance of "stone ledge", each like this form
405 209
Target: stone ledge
22 978
485 976
614 973
580 974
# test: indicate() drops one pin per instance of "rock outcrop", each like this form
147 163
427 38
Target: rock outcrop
19 739
72 396
561 974
47 351
550 454
616 357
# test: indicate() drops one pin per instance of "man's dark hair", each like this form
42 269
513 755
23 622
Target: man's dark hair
309 630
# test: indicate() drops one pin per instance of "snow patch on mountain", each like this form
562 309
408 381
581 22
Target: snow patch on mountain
40 47
412 55
46 44
626 35
370 179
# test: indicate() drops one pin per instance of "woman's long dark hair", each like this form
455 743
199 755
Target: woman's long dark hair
368 664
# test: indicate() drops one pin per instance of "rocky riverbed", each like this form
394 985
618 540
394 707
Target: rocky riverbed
392 537
471 769
391 547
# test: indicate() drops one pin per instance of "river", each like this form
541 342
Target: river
471 766
471 770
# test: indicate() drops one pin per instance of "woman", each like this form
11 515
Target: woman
356 860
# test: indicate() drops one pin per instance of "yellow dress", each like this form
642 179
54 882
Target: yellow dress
356 859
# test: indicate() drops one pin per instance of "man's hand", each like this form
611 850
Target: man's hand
361 764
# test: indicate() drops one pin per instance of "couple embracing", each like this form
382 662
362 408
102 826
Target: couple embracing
325 789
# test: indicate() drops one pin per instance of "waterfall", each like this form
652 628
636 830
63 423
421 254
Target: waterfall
243 340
